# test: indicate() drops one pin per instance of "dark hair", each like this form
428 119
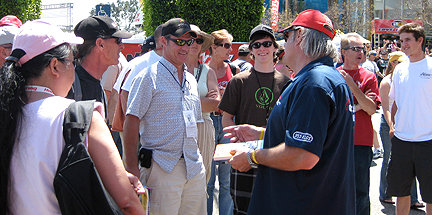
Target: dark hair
13 97
417 30
261 35
84 49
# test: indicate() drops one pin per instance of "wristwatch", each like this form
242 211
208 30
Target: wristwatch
251 163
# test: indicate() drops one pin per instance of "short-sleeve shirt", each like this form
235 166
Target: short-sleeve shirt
157 99
313 113
250 99
365 80
412 91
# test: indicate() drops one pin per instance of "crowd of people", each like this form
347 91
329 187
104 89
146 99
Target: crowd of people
159 117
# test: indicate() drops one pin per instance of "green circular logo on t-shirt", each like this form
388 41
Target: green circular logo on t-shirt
264 96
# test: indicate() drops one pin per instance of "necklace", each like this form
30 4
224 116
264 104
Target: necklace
266 105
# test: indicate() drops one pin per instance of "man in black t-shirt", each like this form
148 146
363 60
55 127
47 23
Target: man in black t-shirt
101 48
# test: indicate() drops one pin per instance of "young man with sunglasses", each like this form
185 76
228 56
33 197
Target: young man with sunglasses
101 48
306 166
364 87
162 111
249 98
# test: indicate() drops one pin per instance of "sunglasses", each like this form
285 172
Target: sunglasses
199 41
181 42
286 32
266 44
116 39
356 48
225 45
7 47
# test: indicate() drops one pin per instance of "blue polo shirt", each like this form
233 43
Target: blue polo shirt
313 113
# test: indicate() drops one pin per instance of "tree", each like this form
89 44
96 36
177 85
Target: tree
23 9
236 16
123 12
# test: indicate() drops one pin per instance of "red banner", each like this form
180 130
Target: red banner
390 26
275 14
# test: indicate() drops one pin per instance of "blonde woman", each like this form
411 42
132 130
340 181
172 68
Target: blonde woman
209 96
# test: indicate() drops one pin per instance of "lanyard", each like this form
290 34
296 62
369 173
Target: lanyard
184 78
34 88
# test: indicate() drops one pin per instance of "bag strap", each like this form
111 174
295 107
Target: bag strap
77 119
233 68
77 88
197 77
241 64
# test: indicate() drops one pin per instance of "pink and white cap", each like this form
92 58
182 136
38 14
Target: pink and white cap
36 37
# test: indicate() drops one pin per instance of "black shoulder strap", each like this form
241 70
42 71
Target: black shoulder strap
77 119
198 75
77 88
241 64
233 68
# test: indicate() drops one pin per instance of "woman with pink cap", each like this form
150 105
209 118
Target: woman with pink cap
33 83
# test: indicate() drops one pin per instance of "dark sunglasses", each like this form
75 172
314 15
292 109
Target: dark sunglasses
181 42
356 48
266 44
286 32
116 39
199 41
225 45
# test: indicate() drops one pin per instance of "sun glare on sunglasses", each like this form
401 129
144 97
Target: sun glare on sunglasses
225 45
266 44
181 42
356 48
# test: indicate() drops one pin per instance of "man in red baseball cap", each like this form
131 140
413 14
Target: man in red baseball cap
307 163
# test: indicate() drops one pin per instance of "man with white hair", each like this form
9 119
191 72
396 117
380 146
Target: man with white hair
308 154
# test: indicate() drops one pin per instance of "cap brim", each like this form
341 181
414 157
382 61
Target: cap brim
289 27
122 34
72 39
208 40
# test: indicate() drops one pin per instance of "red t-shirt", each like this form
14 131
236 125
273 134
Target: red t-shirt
223 82
363 130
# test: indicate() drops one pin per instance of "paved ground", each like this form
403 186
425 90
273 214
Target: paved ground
377 208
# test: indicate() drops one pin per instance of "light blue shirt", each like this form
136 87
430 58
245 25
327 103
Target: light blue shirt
158 100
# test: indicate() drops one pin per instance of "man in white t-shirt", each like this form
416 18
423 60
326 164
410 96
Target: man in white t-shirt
370 63
411 113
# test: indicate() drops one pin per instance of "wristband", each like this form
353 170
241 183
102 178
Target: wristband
262 134
253 157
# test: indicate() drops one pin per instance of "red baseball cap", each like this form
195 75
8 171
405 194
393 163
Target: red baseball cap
313 19
10 20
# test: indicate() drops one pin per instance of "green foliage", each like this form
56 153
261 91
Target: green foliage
236 16
23 9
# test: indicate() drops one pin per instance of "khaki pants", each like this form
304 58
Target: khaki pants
172 193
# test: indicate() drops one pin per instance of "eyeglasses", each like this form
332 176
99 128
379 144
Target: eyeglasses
7 47
373 54
199 41
67 60
181 42
225 45
287 31
266 44
356 48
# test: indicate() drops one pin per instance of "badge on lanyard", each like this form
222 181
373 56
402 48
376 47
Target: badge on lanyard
190 122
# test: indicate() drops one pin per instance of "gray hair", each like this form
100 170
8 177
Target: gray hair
316 44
